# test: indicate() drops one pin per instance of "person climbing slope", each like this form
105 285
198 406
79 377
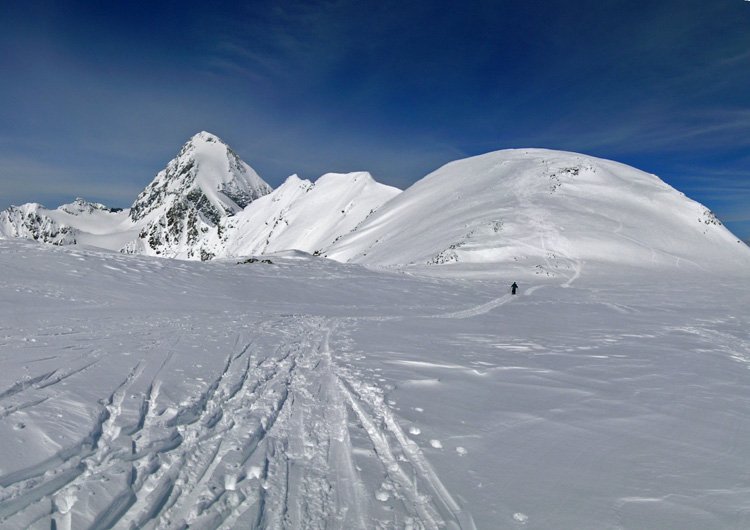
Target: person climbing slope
513 288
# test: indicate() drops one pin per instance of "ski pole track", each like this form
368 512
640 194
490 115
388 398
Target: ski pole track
266 445
44 380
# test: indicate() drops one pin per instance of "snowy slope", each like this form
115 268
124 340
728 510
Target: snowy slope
145 393
545 210
303 215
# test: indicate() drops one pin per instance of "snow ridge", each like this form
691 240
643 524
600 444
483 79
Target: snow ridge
303 215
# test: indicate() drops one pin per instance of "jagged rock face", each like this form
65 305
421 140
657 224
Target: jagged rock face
31 222
209 175
177 234
186 201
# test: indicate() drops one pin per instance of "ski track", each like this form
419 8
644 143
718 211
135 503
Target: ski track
266 445
477 310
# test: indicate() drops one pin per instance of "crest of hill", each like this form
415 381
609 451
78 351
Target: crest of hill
303 215
544 210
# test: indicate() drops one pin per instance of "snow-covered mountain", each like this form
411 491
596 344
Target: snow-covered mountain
208 203
547 210
303 215
205 183
80 222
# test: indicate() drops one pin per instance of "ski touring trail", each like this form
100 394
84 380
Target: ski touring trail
268 444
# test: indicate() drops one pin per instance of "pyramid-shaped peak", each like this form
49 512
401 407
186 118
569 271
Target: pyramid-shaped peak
206 173
206 142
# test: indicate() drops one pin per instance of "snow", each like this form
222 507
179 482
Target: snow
208 203
147 393
208 167
551 210
402 386
303 215
80 223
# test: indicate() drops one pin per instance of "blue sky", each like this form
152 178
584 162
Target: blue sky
96 99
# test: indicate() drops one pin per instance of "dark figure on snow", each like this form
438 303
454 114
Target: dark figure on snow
513 288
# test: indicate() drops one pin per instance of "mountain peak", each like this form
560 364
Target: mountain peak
208 174
206 136
204 183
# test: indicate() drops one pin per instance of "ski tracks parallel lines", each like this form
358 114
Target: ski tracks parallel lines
266 445
435 510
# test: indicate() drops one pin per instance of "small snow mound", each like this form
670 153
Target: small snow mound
520 518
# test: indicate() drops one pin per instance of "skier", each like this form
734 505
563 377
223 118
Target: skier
513 288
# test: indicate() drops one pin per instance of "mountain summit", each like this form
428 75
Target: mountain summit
530 211
208 175
206 182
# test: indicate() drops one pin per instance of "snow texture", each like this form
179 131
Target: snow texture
147 393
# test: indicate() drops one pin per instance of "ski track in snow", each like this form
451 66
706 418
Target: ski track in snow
267 445
478 310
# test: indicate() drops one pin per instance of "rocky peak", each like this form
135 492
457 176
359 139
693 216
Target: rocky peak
80 206
208 176
203 184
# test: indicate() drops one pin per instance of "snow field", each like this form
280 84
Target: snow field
146 393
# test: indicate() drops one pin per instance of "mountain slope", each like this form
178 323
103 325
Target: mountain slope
545 210
303 215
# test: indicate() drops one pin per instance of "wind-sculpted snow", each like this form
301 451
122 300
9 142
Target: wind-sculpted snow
301 393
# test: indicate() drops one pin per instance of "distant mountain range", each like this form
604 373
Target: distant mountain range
548 211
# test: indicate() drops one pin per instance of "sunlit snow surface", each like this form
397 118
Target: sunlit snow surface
146 393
